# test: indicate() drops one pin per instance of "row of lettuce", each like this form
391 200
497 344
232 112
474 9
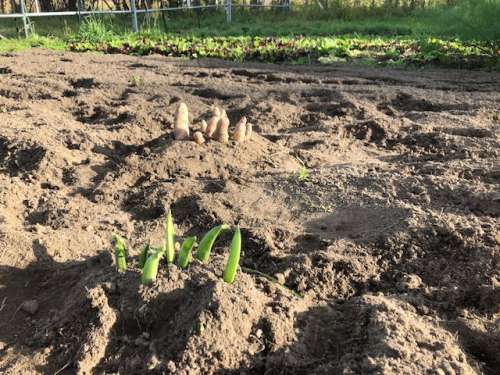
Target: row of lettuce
297 49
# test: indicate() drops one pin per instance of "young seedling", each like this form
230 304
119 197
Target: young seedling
169 246
303 175
207 242
150 270
136 81
234 257
120 253
186 249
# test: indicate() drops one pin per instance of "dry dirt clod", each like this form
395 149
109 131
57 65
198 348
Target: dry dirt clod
222 134
409 282
280 278
181 125
30 306
198 138
240 130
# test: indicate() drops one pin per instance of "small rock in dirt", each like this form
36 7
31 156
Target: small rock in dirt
110 287
409 282
134 362
258 333
3 345
280 278
141 341
30 306
171 367
153 362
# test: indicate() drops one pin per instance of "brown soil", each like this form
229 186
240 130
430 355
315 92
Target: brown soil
393 243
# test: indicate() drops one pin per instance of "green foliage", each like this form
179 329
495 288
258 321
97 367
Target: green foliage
185 253
373 32
136 81
120 253
94 29
234 257
477 21
301 49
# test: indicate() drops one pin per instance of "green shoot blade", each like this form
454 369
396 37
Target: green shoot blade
206 243
150 270
120 253
169 238
186 248
234 257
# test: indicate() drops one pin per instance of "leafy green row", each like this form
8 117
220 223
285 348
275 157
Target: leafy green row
150 257
302 49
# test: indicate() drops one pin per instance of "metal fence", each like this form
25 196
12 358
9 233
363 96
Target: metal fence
227 5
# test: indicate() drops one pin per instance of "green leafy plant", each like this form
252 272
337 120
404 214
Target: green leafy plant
136 81
303 175
120 253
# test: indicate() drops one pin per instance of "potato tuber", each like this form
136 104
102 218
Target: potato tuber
181 125
198 137
203 126
222 134
240 130
248 135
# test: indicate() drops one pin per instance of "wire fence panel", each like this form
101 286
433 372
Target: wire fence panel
132 10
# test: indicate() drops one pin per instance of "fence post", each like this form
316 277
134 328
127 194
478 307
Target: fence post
133 11
229 6
79 3
25 19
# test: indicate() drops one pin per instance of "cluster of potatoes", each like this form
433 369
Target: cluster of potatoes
217 127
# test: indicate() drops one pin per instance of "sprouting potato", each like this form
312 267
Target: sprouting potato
203 126
181 125
198 137
222 132
212 126
249 131
240 130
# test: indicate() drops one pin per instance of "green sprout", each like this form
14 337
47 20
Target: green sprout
303 175
169 246
136 81
150 270
120 253
234 257
206 243
186 249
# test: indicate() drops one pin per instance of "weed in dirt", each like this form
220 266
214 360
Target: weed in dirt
303 175
136 81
